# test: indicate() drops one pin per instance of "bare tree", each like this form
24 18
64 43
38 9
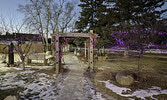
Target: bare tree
3 24
48 15
14 25
67 16
23 52
57 10
22 47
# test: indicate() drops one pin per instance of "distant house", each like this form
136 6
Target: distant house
23 37
20 36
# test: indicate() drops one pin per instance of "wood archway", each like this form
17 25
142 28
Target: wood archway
56 47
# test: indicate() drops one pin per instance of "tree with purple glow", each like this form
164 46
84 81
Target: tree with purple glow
22 46
140 40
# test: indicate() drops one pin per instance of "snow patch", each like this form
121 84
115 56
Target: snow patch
40 67
116 89
41 87
138 93
91 91
149 92
101 68
40 84
8 81
74 58
4 69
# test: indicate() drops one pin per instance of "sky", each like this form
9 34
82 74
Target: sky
9 8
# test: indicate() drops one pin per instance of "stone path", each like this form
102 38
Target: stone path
73 85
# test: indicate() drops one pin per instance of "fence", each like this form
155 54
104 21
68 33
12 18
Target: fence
34 48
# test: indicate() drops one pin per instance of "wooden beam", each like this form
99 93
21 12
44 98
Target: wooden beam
72 35
85 49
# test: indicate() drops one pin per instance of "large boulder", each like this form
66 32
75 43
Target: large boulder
10 98
125 78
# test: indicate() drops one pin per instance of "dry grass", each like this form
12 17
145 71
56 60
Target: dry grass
153 73
34 48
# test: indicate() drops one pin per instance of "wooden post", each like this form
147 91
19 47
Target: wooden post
91 52
103 50
89 56
85 50
57 51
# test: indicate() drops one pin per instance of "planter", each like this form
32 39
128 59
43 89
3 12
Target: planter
102 58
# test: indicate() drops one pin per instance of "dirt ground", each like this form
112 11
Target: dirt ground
42 83
153 74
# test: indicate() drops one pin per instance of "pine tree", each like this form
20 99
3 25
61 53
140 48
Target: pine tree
146 13
137 13
88 19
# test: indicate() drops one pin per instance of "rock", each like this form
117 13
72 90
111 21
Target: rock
10 98
48 53
125 78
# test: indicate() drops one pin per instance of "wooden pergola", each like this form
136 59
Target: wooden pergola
56 47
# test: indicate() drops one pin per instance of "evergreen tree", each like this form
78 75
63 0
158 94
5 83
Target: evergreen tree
105 16
137 13
88 19
146 13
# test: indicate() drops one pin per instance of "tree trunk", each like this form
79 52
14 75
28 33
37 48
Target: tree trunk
139 58
139 62
126 53
11 54
47 45
23 62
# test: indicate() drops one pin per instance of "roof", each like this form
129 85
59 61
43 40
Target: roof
20 36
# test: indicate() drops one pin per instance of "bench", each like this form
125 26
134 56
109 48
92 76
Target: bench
37 56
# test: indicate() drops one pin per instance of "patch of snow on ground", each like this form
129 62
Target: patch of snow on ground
8 81
91 92
27 72
4 69
35 85
149 92
74 57
101 68
116 89
138 93
40 88
40 67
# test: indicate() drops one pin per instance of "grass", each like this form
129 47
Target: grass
152 74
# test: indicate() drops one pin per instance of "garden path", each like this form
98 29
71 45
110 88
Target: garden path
75 85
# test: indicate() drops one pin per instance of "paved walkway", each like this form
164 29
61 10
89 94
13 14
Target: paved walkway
73 85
